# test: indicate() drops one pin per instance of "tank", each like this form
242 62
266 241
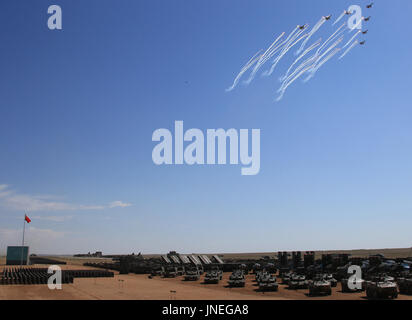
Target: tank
298 282
237 279
346 288
319 286
212 276
381 289
267 282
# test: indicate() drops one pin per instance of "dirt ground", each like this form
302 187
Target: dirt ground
140 287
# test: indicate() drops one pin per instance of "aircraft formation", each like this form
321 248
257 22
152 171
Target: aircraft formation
308 60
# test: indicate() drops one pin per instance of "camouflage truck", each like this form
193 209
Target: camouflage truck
169 272
237 279
192 274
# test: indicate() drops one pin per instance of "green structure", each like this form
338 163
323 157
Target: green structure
17 255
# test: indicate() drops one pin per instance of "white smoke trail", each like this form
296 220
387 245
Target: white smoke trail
265 57
340 18
313 46
311 33
337 33
285 50
283 88
356 34
349 49
249 64
310 61
320 64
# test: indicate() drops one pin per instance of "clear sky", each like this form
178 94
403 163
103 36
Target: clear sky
79 106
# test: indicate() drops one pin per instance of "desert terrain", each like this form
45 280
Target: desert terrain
141 287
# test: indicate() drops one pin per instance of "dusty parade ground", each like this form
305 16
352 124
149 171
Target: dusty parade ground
138 287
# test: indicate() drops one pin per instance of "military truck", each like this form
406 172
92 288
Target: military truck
381 289
267 282
169 272
237 279
192 274
298 282
319 286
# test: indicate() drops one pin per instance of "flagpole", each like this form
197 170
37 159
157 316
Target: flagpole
22 243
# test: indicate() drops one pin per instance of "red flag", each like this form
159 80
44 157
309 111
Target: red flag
27 219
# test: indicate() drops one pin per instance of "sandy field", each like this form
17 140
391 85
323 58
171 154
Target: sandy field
140 287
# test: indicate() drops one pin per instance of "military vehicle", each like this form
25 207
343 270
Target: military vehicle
319 286
405 285
331 279
180 270
346 288
192 274
286 277
156 271
237 279
381 288
169 272
298 282
267 282
212 276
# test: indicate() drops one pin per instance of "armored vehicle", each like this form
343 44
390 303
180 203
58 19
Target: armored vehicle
212 276
237 279
346 288
381 288
298 282
331 279
319 286
405 285
286 277
268 282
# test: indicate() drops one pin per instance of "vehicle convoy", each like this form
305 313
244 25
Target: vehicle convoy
212 276
237 279
298 282
192 274
319 286
381 288
267 282
405 285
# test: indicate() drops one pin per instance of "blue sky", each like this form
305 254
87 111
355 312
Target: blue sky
79 106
